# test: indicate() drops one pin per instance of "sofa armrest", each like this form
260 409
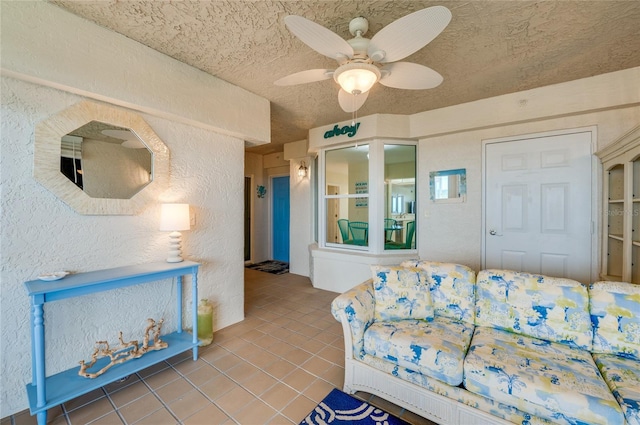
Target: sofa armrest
355 310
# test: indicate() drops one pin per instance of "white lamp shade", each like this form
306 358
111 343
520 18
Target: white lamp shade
356 78
174 217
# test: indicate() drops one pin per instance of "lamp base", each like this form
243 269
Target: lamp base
175 243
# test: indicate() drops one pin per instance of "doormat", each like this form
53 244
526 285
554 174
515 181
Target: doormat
340 408
271 266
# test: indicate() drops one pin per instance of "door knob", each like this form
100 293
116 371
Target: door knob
493 233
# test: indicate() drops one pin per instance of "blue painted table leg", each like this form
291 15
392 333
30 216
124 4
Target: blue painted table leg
179 296
38 360
194 301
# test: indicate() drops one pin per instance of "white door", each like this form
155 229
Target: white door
538 206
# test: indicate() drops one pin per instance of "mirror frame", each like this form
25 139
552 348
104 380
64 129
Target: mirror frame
46 158
461 173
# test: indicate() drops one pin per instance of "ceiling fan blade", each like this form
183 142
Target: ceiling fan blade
407 75
319 38
408 34
351 102
308 76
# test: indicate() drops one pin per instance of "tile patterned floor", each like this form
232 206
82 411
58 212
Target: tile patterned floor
271 368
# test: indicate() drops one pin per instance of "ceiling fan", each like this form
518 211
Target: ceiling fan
363 62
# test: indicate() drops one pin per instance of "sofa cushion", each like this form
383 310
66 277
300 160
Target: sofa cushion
539 306
622 374
435 348
357 305
615 313
401 293
543 378
453 290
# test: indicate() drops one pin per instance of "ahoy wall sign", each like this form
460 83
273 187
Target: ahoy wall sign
349 130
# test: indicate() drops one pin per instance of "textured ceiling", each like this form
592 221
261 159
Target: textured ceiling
489 48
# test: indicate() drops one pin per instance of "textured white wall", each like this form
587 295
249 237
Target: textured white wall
39 233
452 138
301 221
457 226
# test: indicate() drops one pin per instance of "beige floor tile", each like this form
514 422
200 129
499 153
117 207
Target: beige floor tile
121 383
211 414
312 345
318 390
299 379
261 358
279 396
256 412
152 370
84 399
110 419
174 390
217 387
242 372
203 375
298 409
225 363
316 366
162 378
280 368
90 412
332 354
297 356
187 366
129 394
188 404
161 416
259 382
335 376
235 400
140 408
280 420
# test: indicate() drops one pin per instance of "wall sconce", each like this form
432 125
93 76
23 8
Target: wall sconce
174 218
302 170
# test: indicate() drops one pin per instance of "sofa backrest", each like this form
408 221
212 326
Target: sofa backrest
549 308
615 313
452 288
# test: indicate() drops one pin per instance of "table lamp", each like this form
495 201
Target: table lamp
174 218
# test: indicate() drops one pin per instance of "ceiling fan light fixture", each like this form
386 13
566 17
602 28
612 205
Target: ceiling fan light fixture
356 78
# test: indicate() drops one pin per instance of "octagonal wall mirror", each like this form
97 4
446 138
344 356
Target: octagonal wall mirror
100 160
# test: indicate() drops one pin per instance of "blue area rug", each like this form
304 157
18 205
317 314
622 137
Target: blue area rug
271 266
340 408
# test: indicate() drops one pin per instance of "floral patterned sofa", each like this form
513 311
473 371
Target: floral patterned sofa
510 348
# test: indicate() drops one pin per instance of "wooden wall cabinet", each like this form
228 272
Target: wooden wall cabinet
621 209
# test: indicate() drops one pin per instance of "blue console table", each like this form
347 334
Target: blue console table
45 392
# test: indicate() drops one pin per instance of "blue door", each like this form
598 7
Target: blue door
280 216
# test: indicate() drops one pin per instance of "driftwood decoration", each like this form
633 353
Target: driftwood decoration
126 351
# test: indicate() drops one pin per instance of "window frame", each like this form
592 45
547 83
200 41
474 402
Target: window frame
376 197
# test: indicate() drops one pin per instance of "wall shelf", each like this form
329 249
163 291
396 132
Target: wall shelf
621 209
45 392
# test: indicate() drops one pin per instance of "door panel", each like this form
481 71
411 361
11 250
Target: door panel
247 218
538 205
280 215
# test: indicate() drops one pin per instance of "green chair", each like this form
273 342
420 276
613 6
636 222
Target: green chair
390 226
343 225
360 232
411 229
408 241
